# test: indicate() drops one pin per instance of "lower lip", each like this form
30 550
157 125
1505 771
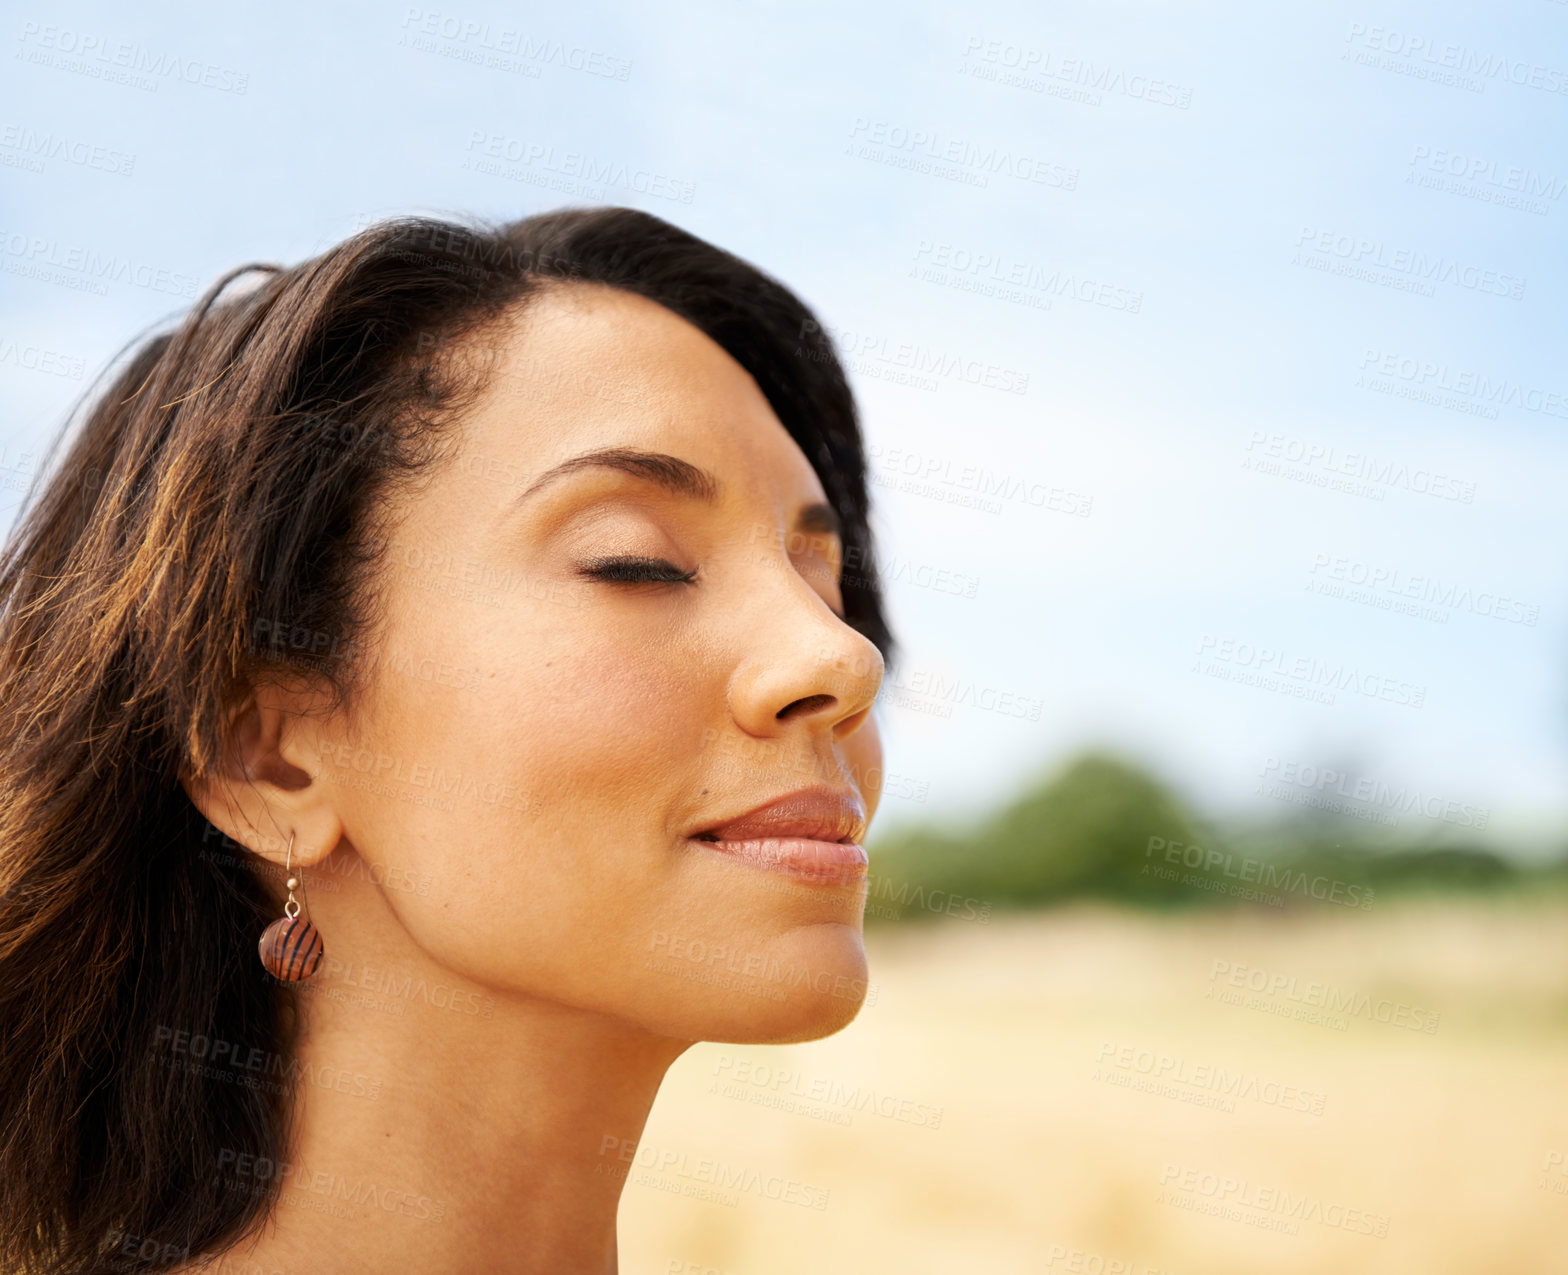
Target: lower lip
819 862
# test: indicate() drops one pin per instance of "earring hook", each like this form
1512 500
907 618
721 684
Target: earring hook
293 902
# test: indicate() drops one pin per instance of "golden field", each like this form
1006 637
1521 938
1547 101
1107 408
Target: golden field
1096 1091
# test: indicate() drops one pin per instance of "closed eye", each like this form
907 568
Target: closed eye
636 571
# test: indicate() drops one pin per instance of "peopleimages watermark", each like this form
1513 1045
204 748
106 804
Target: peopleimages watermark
863 567
887 897
923 473
929 365
1359 473
1268 1207
252 1174
1423 596
524 377
817 1097
252 1066
121 61
327 876
37 358
1302 676
751 973
1075 78
476 257
133 1252
1376 800
1244 869
959 159
1403 269
35 147
541 164
443 787
1202 1084
1554 1173
504 48
1476 177
934 693
73 266
1078 1261
993 274
1447 62
477 581
747 756
322 649
370 987
705 1172
1312 1001
1439 384
16 474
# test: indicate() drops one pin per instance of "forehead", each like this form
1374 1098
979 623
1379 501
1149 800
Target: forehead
581 365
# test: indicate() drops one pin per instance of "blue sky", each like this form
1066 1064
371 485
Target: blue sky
1244 318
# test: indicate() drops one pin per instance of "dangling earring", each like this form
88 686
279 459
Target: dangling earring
291 948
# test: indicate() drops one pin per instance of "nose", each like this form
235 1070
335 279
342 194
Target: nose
802 667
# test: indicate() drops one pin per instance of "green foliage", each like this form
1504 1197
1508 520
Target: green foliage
1102 827
1084 830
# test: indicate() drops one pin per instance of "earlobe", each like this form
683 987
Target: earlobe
267 784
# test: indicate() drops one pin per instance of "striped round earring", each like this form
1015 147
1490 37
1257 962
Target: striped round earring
291 948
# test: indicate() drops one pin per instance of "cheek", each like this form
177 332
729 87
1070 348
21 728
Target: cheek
536 801
602 713
561 703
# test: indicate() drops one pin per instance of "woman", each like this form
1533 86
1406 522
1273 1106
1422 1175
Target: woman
430 704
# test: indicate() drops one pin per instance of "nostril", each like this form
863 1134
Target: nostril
809 704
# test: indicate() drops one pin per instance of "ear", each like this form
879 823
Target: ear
269 783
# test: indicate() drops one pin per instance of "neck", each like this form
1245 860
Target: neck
442 1128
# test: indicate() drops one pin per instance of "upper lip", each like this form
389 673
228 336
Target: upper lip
818 814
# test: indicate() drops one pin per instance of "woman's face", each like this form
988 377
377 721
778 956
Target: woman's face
543 739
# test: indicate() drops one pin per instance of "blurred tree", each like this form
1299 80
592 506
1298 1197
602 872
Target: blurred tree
1103 827
1085 829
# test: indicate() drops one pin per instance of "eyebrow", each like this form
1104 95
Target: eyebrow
676 476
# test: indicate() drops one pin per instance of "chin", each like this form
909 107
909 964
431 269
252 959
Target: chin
815 987
805 1022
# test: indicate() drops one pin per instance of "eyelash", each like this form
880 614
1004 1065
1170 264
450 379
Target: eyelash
637 571
645 571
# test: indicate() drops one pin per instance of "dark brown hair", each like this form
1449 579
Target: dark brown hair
222 489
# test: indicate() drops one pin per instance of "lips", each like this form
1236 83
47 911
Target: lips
813 834
812 814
